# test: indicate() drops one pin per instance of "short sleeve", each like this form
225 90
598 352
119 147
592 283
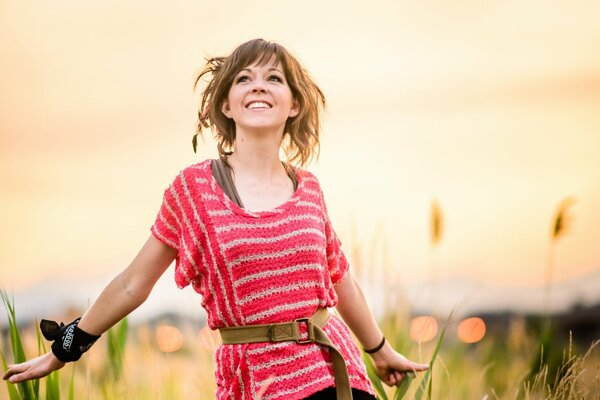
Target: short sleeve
336 260
169 229
166 227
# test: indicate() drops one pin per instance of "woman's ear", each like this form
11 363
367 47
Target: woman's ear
225 109
295 110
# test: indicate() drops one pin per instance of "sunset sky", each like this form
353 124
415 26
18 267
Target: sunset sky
492 108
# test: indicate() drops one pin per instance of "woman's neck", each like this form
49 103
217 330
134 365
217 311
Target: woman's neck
257 159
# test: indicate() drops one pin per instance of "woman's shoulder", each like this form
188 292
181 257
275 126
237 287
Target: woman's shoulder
199 167
309 180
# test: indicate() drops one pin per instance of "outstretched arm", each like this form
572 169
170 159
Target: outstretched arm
122 295
390 365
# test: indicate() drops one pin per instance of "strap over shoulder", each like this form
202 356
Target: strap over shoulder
222 174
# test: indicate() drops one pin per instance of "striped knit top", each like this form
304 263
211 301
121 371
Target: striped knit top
255 268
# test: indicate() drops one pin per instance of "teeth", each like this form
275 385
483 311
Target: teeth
258 104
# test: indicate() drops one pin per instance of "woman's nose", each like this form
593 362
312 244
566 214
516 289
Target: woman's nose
258 87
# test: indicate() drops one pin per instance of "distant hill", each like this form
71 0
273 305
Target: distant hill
580 323
52 298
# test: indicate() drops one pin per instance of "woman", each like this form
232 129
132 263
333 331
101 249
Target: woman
251 234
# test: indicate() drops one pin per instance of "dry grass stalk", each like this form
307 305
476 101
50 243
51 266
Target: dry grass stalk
560 226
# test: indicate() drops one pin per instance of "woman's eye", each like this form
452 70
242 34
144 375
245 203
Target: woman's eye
242 78
275 78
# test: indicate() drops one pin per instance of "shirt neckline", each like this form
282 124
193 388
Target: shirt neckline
232 205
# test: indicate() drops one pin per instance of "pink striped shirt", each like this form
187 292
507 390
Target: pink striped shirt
256 268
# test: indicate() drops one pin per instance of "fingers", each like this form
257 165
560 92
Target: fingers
16 373
402 363
398 377
7 374
418 367
20 377
394 378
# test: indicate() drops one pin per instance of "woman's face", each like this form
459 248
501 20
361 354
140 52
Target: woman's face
260 98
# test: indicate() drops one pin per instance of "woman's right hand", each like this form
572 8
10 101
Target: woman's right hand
34 368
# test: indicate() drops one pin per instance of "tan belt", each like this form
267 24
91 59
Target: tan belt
289 332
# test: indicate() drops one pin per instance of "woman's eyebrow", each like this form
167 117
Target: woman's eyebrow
250 71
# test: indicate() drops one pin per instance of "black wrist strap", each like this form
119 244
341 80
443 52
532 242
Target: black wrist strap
376 349
70 342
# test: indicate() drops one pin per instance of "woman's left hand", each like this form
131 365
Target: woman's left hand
392 367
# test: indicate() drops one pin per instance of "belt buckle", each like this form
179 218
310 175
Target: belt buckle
311 331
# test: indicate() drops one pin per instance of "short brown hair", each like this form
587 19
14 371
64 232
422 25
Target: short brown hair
302 131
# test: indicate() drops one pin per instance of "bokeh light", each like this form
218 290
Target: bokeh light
423 328
471 330
168 338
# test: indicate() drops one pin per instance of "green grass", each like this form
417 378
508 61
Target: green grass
425 385
29 389
126 363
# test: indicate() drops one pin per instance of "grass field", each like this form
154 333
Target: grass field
167 362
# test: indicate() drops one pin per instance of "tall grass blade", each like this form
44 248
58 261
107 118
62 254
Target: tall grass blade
117 339
26 389
374 378
436 223
560 226
38 336
72 385
52 386
41 350
35 387
12 390
404 385
430 386
426 382
53 379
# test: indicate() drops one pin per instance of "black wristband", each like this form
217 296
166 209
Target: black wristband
70 342
376 349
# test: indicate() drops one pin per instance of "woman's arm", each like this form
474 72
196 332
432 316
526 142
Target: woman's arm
128 290
120 297
390 365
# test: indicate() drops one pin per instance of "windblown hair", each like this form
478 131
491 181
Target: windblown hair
301 133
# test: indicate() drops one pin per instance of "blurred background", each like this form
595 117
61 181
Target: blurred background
459 154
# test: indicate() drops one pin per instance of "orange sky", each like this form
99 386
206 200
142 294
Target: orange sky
490 108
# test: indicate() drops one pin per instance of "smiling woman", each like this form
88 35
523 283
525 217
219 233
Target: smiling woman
259 62
256 242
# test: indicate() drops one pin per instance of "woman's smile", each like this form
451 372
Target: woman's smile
258 105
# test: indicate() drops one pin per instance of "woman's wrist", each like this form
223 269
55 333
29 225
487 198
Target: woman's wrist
382 353
375 349
54 360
